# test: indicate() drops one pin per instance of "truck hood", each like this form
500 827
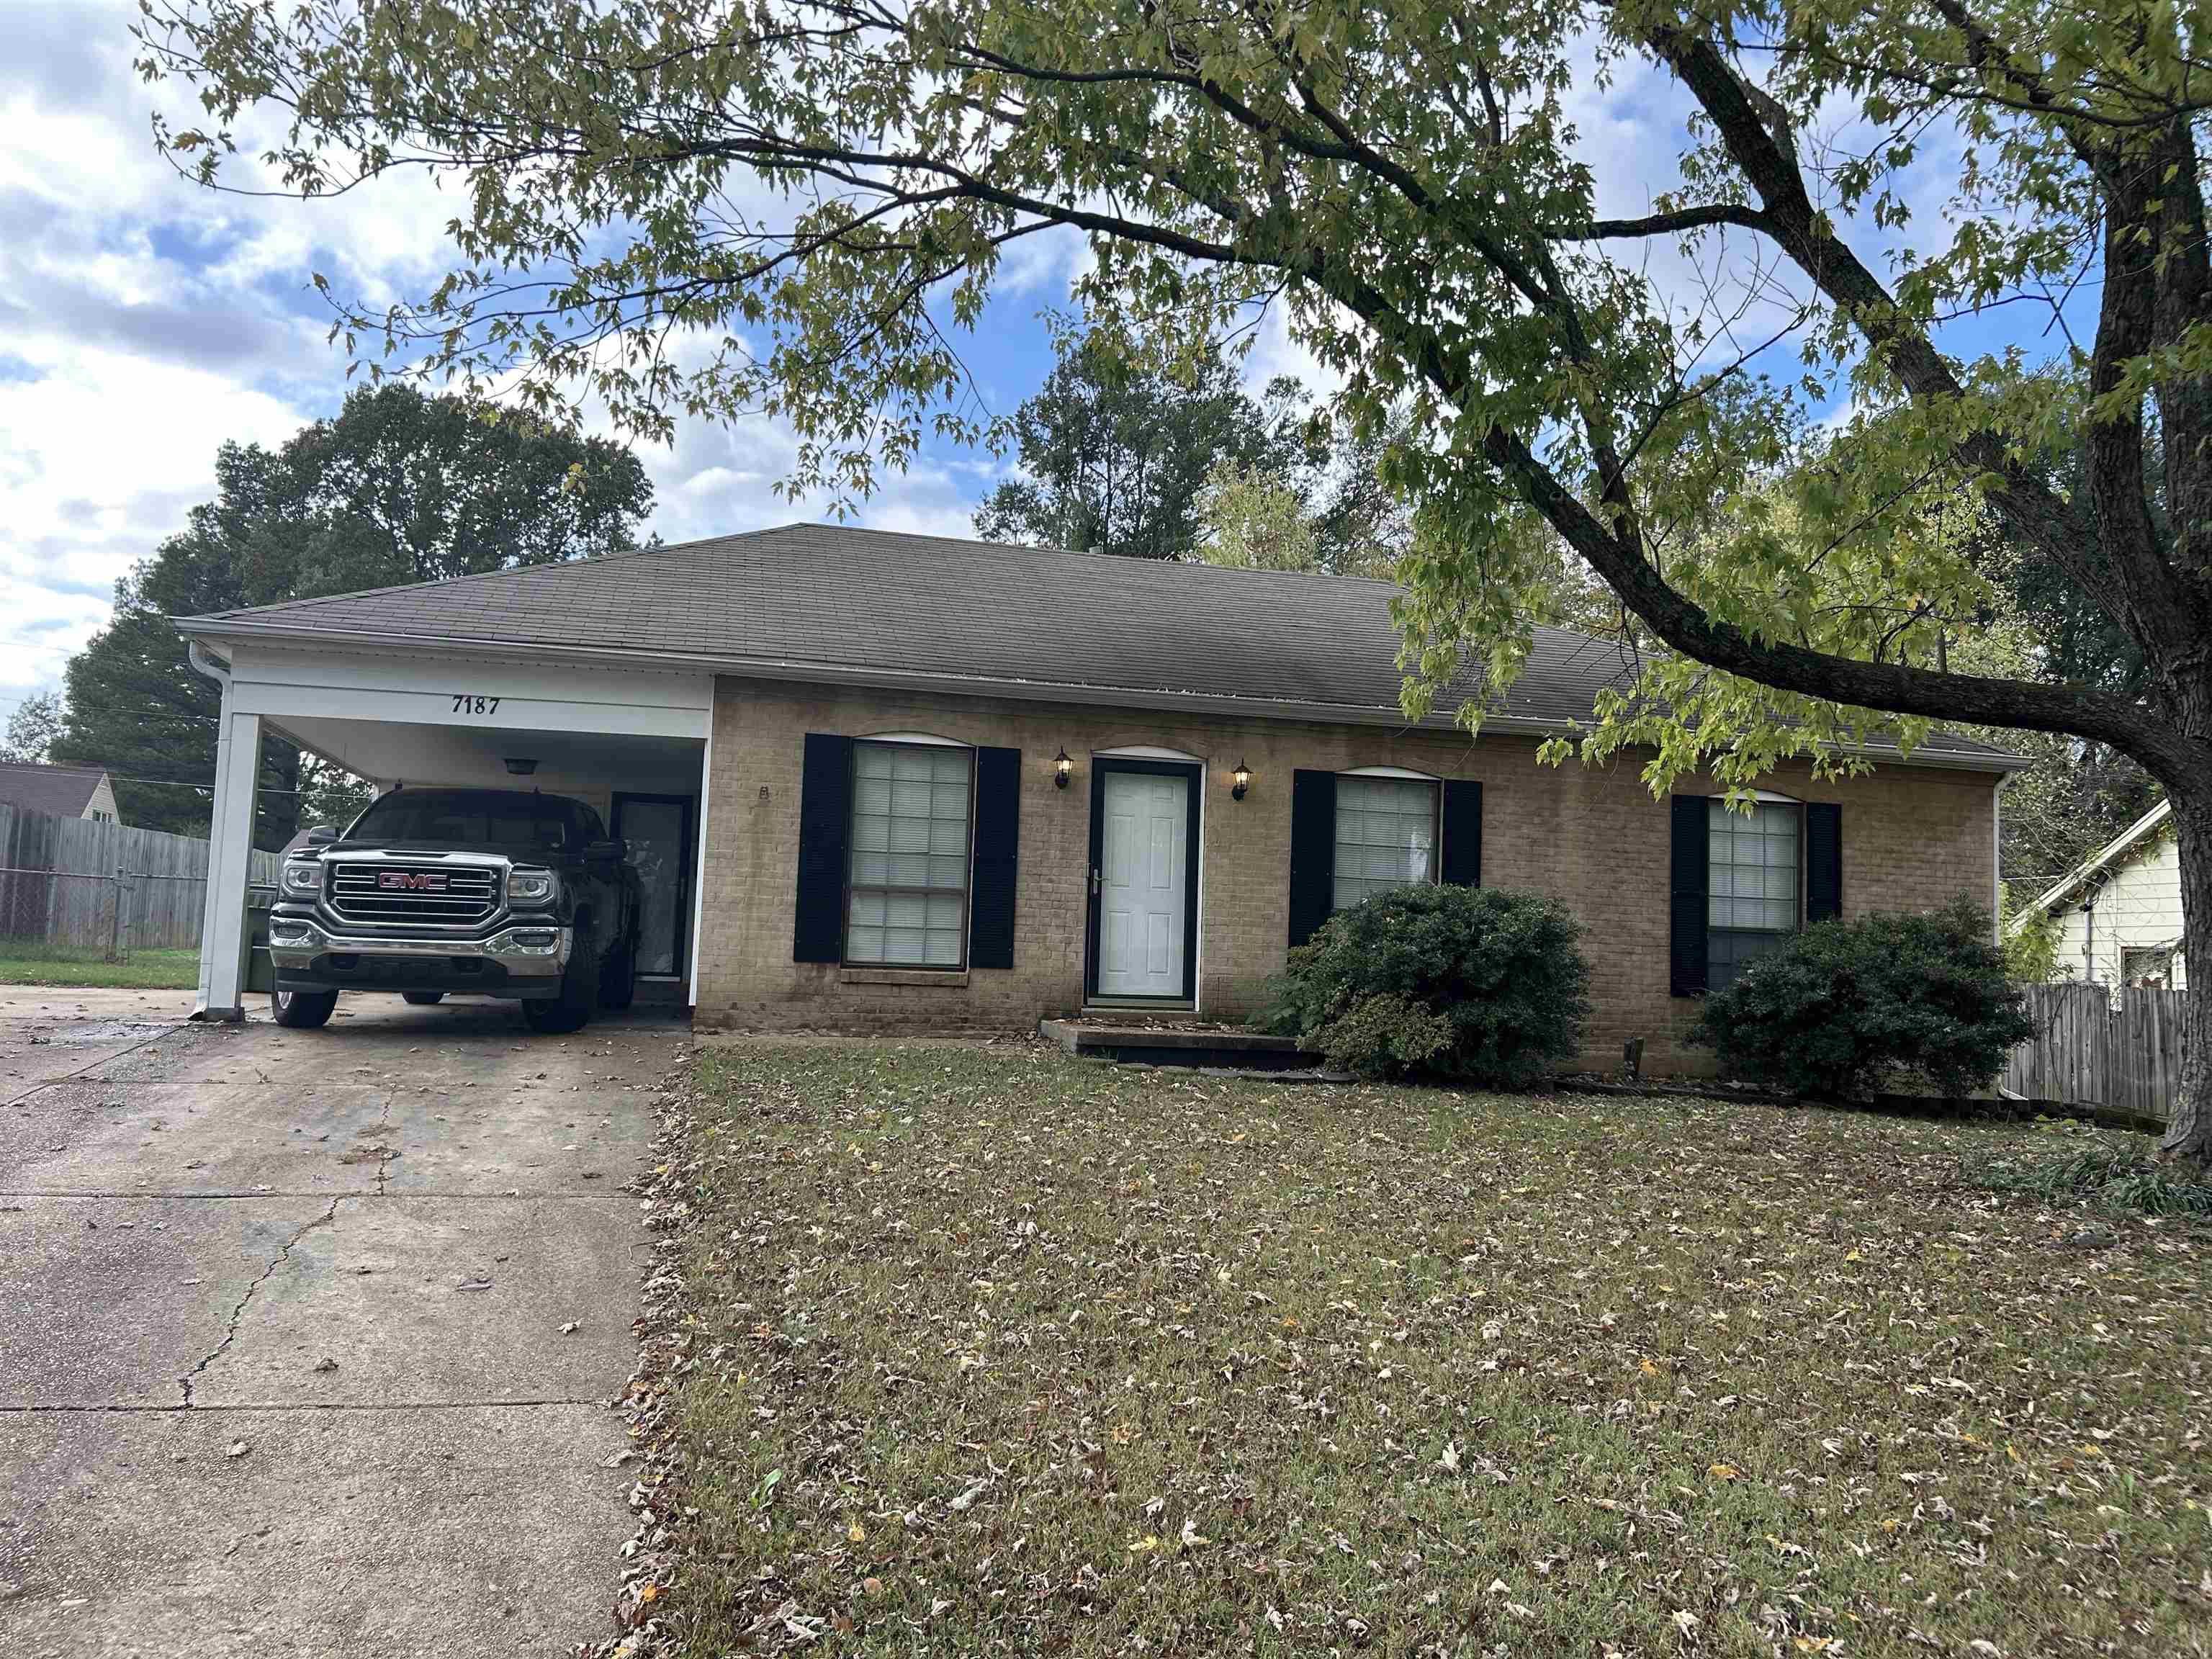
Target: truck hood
513 852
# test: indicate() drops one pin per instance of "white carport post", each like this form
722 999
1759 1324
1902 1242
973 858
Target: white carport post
230 847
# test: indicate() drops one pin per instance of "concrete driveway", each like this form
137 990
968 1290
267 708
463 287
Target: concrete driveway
306 1337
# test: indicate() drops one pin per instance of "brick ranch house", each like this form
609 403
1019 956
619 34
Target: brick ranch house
894 782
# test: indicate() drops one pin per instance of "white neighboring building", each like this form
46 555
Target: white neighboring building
2119 910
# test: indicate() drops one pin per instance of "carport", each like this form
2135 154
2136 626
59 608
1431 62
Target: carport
631 741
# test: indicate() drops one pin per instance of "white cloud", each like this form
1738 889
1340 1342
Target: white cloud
101 453
143 322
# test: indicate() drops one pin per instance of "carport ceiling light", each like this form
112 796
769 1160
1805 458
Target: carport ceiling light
521 765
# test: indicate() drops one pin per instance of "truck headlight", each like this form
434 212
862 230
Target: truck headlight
305 879
531 886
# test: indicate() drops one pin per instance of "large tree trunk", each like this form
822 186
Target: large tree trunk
2188 1134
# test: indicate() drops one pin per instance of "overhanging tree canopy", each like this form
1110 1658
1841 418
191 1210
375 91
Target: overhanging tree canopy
819 192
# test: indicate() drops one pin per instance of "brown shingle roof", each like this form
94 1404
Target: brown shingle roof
858 604
64 790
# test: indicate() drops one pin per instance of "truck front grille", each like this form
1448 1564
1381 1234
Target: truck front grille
429 893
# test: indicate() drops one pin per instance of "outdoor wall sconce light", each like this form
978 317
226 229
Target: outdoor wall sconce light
1239 782
1062 767
521 765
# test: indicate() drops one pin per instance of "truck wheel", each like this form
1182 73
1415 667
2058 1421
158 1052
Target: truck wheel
618 978
422 999
302 1010
572 1009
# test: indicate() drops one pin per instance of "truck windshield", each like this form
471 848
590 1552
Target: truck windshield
472 817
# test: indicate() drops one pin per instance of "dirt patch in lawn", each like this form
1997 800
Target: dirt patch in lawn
992 1350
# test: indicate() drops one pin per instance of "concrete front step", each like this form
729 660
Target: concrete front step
1178 1045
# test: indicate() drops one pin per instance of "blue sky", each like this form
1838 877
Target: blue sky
143 321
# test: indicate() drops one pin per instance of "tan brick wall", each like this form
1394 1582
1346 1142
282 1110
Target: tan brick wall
1912 839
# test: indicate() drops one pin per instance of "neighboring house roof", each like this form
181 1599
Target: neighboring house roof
2115 851
65 790
829 602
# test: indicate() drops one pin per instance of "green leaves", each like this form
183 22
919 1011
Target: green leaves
691 210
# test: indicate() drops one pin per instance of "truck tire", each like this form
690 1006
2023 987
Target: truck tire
422 999
618 978
301 1010
572 1010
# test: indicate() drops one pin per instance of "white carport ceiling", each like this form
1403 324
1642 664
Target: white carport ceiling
392 751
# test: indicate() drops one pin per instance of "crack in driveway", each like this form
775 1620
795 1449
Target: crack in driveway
385 1154
237 1313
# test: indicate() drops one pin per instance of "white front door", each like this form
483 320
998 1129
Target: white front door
1143 897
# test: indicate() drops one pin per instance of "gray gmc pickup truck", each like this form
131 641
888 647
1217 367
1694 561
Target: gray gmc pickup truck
500 892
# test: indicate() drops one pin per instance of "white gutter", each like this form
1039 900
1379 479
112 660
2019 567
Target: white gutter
2112 850
205 660
809 671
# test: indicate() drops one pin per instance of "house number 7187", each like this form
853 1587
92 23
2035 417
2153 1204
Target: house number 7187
468 703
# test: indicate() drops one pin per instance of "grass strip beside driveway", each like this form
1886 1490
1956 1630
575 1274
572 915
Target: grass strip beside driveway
171 970
995 1351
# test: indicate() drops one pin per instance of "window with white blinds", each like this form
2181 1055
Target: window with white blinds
1753 885
907 894
1386 835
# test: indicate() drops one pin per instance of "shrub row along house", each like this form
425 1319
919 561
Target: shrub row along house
885 781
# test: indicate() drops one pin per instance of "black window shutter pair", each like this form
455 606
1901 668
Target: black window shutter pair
1313 845
825 822
1686 965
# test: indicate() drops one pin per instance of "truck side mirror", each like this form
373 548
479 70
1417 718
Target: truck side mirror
612 851
321 836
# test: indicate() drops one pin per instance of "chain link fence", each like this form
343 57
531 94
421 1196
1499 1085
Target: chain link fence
68 916
77 890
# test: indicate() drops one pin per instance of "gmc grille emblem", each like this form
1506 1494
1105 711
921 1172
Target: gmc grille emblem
423 881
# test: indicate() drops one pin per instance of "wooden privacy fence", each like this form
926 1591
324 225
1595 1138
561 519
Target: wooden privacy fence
74 887
2102 1048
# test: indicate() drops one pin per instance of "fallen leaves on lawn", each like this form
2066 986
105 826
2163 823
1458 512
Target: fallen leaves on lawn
1113 1360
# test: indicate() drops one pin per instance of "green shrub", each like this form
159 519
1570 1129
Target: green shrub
1466 983
1849 1006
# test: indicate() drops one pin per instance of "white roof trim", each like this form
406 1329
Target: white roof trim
2118 846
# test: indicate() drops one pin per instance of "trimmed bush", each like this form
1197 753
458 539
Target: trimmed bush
1850 1006
1466 983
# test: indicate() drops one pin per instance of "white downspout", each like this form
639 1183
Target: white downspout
1997 855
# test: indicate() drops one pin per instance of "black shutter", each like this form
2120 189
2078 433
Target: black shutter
1823 860
998 836
1686 933
1313 852
1462 864
825 820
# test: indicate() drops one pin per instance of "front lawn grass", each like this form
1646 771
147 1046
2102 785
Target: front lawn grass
174 970
990 1350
